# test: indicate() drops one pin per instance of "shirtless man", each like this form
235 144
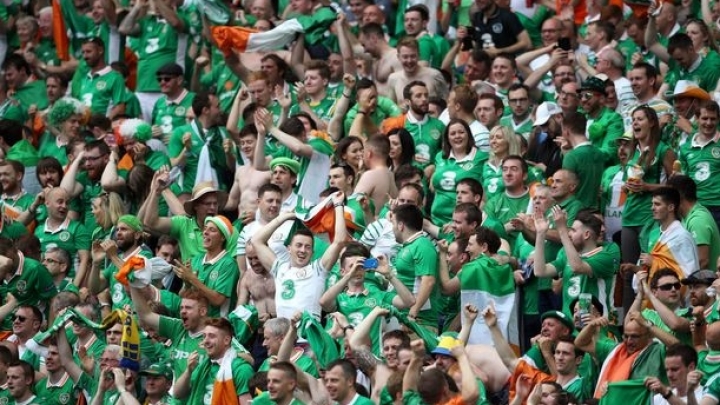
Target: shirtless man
378 181
248 180
372 38
408 54
257 287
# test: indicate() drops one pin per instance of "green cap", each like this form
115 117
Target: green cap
132 221
159 369
291 164
560 316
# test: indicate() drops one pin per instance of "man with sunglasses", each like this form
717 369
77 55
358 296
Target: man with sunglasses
667 312
604 125
175 105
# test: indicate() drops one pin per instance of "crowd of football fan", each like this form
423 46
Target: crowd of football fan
438 202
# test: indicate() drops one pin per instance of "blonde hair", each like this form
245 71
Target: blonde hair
514 145
112 207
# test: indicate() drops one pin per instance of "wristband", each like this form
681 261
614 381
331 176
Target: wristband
345 329
668 394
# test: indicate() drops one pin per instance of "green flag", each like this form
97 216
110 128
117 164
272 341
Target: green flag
630 392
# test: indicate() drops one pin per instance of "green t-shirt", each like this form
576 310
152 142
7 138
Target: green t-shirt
198 136
188 234
705 74
158 45
21 202
700 223
324 109
588 162
50 148
264 399
448 172
604 264
702 164
61 393
171 114
356 307
91 191
183 343
225 82
653 316
101 91
418 258
427 135
31 284
220 275
504 207
71 236
603 131
33 92
637 210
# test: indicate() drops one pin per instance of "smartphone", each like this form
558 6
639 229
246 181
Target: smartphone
370 264
564 44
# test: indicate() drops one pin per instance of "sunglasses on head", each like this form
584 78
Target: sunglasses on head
671 286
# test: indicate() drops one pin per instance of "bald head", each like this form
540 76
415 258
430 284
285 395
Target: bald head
712 336
56 192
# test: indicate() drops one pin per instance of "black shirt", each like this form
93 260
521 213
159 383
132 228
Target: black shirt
504 27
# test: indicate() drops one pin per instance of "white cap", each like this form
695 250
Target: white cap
544 112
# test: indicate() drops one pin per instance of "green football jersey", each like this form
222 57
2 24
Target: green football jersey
171 114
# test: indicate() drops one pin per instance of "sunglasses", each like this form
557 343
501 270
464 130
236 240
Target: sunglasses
671 286
162 79
587 95
19 318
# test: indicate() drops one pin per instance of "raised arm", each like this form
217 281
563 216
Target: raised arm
332 253
470 313
183 386
129 25
468 387
540 268
412 373
295 145
68 183
502 347
587 338
145 315
110 180
345 42
66 357
449 285
170 15
328 299
404 298
361 337
651 41
152 218
260 239
335 126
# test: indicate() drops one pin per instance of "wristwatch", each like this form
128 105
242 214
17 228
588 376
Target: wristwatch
668 394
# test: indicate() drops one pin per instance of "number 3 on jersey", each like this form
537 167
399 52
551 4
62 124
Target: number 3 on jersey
288 291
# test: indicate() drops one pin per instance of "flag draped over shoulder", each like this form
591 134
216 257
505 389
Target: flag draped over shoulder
676 250
243 39
130 341
224 387
323 345
483 281
321 219
629 392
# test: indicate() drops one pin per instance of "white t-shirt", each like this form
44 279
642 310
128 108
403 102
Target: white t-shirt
298 289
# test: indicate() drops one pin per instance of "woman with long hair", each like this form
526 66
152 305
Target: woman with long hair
350 152
649 166
503 143
458 159
106 208
402 148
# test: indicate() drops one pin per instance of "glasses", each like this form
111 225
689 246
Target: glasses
587 95
671 286
162 79
19 318
94 158
518 100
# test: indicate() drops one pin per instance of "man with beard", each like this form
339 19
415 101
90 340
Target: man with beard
199 381
698 283
489 109
269 201
127 243
59 230
408 54
257 287
426 131
12 173
100 88
184 333
604 126
187 143
687 98
86 185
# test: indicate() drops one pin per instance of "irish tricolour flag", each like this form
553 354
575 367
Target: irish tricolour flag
483 281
